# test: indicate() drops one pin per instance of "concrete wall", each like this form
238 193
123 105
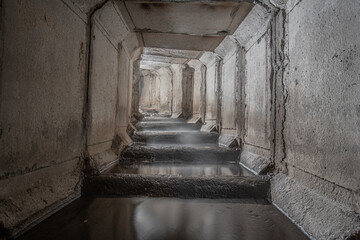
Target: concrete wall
316 116
42 101
321 124
110 85
324 76
48 124
298 111
258 98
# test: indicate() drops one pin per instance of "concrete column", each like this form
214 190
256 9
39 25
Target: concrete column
148 92
135 98
228 51
213 93
187 91
199 92
177 90
166 88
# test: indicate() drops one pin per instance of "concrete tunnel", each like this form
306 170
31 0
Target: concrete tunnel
170 119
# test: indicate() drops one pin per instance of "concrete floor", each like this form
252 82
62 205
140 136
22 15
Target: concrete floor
166 218
162 165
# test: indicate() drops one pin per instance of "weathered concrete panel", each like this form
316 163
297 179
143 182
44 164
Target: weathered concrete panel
102 89
42 96
166 93
187 91
321 217
177 88
211 92
110 86
322 130
28 198
257 88
123 86
198 107
254 26
228 105
42 86
135 96
147 87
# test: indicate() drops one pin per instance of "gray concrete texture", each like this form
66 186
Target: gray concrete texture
43 138
42 97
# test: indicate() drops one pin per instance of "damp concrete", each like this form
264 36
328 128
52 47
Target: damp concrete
166 218
180 153
182 169
182 164
173 137
167 126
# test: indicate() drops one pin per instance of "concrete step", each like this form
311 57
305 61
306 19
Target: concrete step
169 137
122 184
181 169
167 126
180 153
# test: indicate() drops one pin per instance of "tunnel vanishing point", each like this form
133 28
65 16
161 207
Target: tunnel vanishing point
170 119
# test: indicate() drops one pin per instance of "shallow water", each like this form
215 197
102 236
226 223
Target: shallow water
167 218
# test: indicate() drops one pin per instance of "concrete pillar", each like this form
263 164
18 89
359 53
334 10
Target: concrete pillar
135 99
148 91
213 93
199 92
165 91
187 91
177 90
228 50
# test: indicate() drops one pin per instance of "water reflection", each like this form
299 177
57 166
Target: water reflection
182 169
166 218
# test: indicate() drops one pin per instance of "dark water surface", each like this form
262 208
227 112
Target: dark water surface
166 218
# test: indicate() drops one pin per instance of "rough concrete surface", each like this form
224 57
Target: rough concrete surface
257 88
322 131
175 137
198 108
319 216
42 96
256 163
173 186
174 153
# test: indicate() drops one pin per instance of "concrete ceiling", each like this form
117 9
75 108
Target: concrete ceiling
174 53
187 25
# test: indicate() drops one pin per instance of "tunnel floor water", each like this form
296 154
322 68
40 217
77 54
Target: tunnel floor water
166 218
164 163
